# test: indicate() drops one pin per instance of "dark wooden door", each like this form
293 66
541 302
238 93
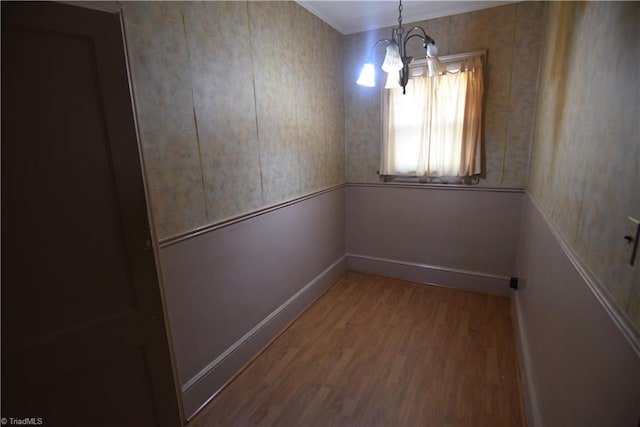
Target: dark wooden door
83 335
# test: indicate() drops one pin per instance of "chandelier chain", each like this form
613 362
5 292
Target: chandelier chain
400 30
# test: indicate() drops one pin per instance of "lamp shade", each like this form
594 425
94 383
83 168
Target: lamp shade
432 50
367 75
393 81
435 66
392 60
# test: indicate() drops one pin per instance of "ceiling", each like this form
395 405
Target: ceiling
359 15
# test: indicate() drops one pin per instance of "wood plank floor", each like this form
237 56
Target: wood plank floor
375 351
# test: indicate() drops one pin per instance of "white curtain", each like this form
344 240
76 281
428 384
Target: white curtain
435 129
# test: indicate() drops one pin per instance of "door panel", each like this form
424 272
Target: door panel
82 320
116 393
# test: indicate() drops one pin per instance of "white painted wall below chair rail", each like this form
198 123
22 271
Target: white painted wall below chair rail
578 366
461 237
230 290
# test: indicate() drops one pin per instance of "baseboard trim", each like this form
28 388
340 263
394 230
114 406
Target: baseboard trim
431 274
206 384
529 396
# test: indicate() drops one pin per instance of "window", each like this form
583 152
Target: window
433 132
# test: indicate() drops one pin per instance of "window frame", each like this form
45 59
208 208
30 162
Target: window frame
384 96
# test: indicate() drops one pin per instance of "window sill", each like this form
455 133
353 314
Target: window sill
443 180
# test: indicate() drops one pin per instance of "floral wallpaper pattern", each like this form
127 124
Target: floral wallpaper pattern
512 36
158 59
234 117
585 167
233 113
222 82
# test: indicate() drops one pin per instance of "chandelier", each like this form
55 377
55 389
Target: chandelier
396 59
